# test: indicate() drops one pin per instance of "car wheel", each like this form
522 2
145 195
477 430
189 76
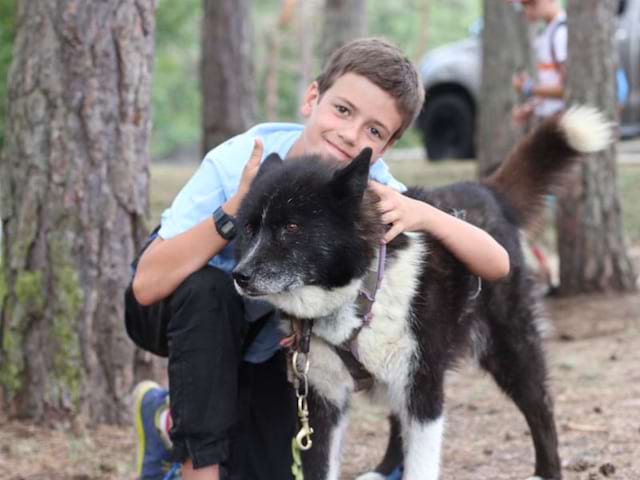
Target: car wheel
447 124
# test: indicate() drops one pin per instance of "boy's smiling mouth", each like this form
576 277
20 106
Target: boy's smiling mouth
337 151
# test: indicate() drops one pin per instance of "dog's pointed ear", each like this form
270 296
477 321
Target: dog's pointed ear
351 181
270 163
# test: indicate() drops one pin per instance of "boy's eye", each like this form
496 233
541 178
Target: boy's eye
375 132
342 109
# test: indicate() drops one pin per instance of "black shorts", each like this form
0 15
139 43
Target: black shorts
225 411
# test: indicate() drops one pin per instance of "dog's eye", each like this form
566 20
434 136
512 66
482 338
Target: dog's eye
292 228
248 229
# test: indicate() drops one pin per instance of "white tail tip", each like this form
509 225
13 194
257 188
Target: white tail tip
587 129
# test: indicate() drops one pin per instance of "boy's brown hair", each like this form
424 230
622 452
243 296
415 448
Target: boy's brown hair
383 64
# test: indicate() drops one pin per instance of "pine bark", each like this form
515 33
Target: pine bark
74 176
344 20
505 51
227 74
591 241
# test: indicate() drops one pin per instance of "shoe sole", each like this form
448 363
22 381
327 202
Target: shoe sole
138 395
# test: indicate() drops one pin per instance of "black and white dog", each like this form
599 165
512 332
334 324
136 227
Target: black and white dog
309 233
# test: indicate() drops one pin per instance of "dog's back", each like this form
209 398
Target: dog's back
499 322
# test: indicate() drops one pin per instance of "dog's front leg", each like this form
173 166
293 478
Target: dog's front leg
423 426
424 444
329 421
330 391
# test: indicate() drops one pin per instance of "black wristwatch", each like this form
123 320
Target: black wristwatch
225 224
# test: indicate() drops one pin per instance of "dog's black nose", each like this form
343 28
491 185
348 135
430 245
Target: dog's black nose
242 279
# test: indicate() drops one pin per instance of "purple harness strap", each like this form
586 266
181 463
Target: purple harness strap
367 297
368 292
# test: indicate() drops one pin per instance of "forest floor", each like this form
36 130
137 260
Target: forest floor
594 354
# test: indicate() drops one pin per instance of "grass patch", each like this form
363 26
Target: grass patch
167 180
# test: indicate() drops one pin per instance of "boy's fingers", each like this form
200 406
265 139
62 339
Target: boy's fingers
392 233
375 186
256 154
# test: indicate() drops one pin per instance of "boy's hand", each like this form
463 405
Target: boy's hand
404 214
248 174
251 168
518 81
521 114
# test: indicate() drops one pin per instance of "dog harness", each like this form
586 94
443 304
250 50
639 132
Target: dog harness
298 341
348 350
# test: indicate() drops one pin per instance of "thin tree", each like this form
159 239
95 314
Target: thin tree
226 71
73 184
344 20
505 51
272 61
591 242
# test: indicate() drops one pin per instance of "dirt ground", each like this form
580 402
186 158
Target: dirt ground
594 356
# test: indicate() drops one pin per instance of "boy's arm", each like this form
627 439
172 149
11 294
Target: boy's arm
474 247
524 85
165 264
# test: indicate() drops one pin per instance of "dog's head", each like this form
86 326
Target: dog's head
305 225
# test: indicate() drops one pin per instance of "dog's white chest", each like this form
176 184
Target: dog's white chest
387 345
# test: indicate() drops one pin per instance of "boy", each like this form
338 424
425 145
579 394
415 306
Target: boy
183 299
544 97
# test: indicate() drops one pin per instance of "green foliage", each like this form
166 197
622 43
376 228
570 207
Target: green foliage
7 33
400 22
176 89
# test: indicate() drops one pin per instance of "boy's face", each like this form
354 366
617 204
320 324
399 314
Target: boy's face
351 115
531 10
536 10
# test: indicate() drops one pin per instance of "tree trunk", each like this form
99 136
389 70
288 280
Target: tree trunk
73 182
344 20
505 51
272 61
226 71
591 242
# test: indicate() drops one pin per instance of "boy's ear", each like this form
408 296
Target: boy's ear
309 99
351 181
270 163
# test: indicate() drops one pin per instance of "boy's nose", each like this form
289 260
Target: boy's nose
349 135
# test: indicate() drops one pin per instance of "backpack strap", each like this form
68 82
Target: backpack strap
554 55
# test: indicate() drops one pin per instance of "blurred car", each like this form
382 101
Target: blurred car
451 75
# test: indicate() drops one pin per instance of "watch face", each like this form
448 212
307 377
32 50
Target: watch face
227 227
224 224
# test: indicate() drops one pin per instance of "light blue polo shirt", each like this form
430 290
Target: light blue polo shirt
216 181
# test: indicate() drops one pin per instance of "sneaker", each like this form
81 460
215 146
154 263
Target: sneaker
153 459
396 474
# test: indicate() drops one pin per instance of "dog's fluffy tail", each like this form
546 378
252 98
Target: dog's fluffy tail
535 166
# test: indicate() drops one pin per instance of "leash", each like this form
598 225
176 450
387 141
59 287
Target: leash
298 344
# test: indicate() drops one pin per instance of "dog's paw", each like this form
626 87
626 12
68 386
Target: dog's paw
371 476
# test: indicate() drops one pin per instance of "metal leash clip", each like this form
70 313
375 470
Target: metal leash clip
300 366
